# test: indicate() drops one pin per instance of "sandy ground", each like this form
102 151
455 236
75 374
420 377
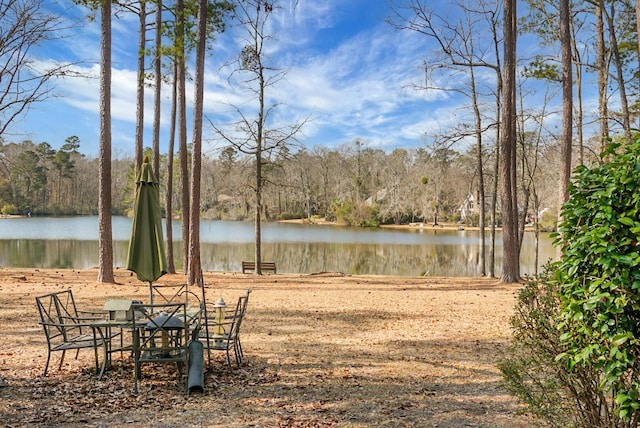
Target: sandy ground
321 350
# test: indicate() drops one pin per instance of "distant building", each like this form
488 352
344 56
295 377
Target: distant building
470 207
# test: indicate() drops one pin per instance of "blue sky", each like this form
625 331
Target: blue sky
347 70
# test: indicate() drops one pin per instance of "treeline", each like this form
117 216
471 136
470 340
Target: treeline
353 184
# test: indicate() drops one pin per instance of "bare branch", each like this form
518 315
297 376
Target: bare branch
25 80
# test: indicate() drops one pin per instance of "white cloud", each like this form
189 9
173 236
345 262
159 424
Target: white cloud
363 86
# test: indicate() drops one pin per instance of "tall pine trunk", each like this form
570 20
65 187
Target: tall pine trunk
567 109
182 130
105 239
508 184
194 265
140 86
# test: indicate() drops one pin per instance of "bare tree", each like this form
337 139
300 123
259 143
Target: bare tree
462 54
602 66
23 81
531 149
618 63
254 136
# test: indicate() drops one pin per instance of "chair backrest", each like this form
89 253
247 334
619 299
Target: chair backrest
66 306
236 319
164 330
170 293
243 302
57 310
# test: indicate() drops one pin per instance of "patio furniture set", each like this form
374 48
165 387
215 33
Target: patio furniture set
178 329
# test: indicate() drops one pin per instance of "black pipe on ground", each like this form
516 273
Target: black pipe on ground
195 374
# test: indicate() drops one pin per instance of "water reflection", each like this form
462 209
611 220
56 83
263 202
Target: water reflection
71 243
296 257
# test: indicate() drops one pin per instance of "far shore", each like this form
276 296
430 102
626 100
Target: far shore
415 226
322 221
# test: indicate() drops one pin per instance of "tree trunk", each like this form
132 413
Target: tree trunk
182 126
496 163
618 62
567 108
480 171
579 108
194 265
511 249
157 91
105 239
171 268
257 218
638 37
140 86
494 208
603 76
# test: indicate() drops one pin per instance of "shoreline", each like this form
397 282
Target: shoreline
409 226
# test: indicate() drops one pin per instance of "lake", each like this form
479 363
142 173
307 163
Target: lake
72 243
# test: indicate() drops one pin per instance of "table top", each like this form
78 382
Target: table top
191 313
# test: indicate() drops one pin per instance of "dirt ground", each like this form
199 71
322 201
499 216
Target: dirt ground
322 350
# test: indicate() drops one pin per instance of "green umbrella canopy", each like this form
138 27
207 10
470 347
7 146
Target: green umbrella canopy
146 256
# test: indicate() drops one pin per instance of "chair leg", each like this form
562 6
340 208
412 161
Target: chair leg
135 351
235 351
95 355
105 357
229 360
46 366
239 350
136 375
61 359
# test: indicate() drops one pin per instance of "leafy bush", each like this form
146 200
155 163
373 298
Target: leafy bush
549 221
9 209
530 371
554 393
473 220
600 280
575 353
290 216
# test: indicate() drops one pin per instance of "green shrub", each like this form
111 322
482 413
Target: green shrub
576 354
473 220
557 395
290 216
599 277
9 209
548 221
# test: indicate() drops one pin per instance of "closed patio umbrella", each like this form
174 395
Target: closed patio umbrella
146 256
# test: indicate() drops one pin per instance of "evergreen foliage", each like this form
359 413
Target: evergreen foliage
574 359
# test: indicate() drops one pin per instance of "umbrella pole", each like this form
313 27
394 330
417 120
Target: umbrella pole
151 292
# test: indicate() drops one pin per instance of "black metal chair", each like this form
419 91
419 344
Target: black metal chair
221 331
65 328
238 350
161 335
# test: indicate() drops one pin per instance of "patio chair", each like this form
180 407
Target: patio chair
65 329
245 302
161 336
223 335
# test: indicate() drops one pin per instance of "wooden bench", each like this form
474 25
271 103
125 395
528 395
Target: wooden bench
264 267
